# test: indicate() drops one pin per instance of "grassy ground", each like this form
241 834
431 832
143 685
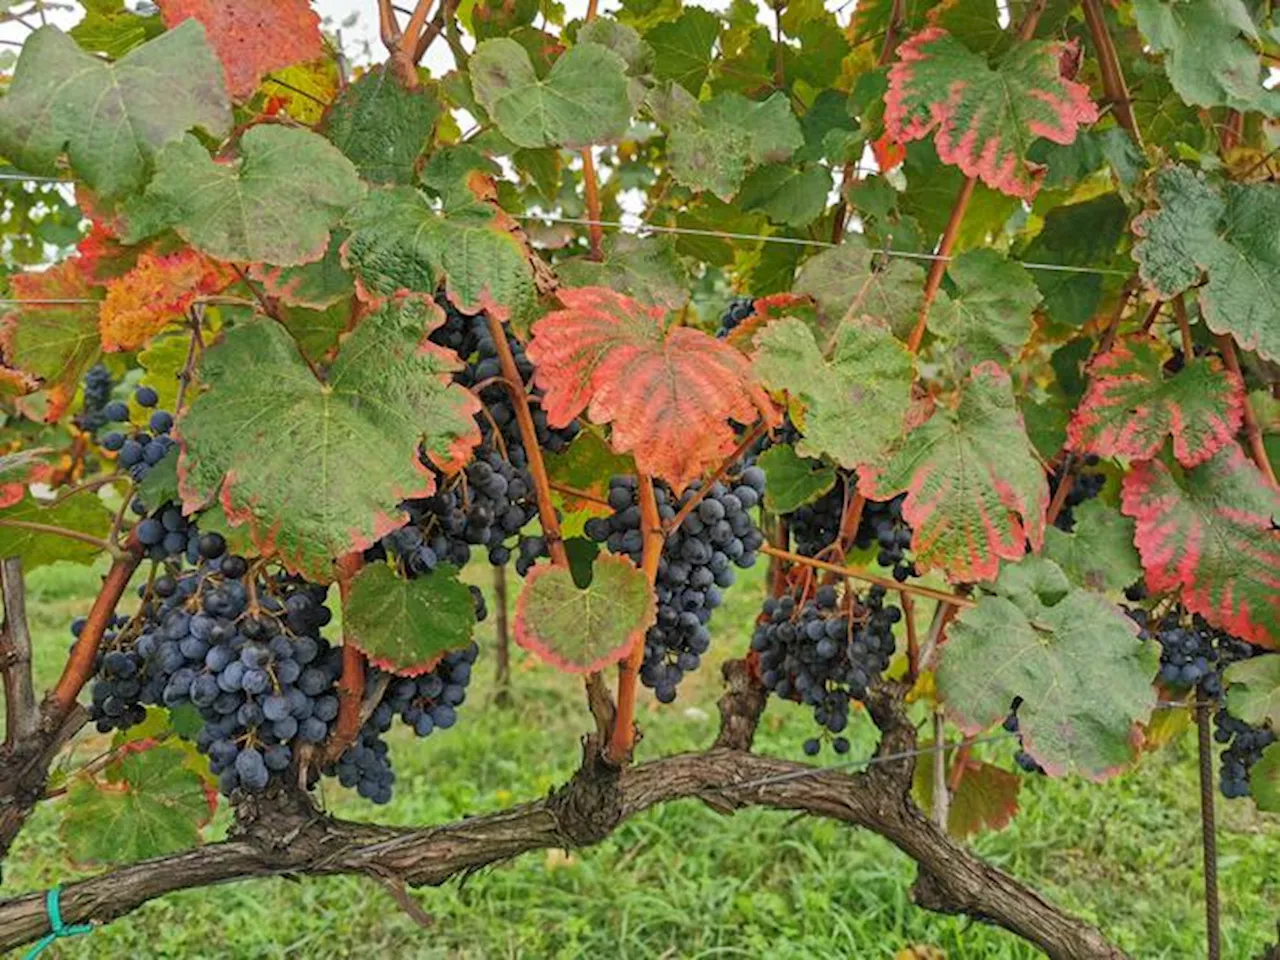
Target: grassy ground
682 881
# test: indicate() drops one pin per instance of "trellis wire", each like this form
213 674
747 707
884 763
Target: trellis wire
644 227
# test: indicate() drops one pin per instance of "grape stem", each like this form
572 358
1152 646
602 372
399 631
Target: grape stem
1064 489
598 700
747 441
80 663
56 531
857 573
529 437
351 684
623 737
569 491
1252 432
1112 75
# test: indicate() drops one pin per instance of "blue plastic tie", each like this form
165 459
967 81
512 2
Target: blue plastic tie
57 928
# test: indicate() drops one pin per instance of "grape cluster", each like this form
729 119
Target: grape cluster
425 703
815 526
117 693
1024 760
1193 655
165 532
696 565
97 394
738 310
495 499
1245 744
883 525
1086 485
248 657
824 654
469 336
486 507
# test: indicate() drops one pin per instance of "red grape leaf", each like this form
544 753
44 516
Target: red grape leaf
669 396
582 630
1130 406
986 119
1211 533
281 444
154 294
54 343
976 492
252 39
1073 657
406 626
986 797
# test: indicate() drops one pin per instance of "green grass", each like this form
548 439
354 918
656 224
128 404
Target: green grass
681 880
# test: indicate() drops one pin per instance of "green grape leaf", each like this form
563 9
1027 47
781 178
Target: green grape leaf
112 119
985 118
275 204
316 286
160 485
684 48
792 481
855 404
1099 554
647 269
148 804
582 630
162 359
318 331
404 625
622 40
1264 780
382 126
586 465
976 492
715 148
988 313
930 196
794 195
1130 407
986 798
1209 52
83 514
1231 235
1047 420
110 29
1210 533
1253 692
1081 234
399 242
582 101
281 444
848 280
1083 676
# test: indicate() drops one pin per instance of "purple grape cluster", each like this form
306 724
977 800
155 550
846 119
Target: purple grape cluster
696 565
825 654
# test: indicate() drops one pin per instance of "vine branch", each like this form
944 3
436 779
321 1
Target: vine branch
623 737
586 810
21 714
857 573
